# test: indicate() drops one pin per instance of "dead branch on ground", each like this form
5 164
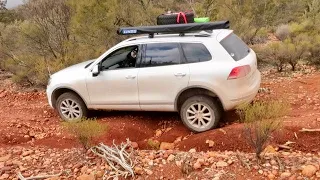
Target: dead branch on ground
117 158
243 162
286 145
281 167
309 130
20 176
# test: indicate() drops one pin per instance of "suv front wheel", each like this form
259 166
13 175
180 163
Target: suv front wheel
71 107
200 113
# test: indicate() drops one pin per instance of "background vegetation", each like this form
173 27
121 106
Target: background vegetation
43 36
261 119
85 130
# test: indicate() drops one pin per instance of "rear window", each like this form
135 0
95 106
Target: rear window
195 52
235 47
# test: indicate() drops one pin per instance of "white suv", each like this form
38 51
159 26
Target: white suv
198 75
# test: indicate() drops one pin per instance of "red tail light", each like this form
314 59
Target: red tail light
239 72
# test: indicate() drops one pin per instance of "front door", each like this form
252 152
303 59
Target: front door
116 86
161 76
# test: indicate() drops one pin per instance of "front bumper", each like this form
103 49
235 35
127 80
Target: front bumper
49 93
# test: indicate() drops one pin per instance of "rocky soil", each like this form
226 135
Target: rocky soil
33 142
75 163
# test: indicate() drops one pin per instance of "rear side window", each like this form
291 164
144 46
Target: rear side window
235 47
195 52
161 54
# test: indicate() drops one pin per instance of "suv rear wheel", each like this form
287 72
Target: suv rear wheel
200 113
71 107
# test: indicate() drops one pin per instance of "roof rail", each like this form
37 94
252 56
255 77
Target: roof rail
174 28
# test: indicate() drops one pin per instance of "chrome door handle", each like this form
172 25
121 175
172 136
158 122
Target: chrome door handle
130 77
180 74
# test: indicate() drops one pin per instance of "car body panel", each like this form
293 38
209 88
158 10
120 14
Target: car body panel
157 88
114 89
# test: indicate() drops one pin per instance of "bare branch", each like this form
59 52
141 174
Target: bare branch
39 177
309 130
117 158
243 162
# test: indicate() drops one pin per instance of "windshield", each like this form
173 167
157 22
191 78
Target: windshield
88 65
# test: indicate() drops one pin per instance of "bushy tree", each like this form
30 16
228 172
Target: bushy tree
9 16
44 36
314 49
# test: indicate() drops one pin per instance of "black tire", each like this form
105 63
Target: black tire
212 106
172 19
76 99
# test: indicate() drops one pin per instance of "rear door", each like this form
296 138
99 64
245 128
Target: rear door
161 76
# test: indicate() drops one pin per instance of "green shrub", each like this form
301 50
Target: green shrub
153 144
275 54
260 110
85 130
282 32
279 54
261 120
260 37
314 50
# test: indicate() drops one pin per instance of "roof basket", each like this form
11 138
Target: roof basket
174 28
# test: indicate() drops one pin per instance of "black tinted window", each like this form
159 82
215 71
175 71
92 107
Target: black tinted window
195 52
235 47
121 58
161 54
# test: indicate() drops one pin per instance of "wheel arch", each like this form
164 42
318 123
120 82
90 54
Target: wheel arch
61 90
192 91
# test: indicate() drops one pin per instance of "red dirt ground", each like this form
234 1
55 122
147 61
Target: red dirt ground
27 120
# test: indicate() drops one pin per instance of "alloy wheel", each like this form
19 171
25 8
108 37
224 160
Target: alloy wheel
199 115
70 109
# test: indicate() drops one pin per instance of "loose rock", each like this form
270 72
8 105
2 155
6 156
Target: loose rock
138 170
271 176
99 174
285 175
221 164
171 157
197 165
148 171
158 133
166 146
210 143
192 150
134 145
5 176
309 170
5 158
86 177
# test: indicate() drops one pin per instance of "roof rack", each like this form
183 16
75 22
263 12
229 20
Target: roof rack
181 29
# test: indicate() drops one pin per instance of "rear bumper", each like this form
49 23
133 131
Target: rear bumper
246 97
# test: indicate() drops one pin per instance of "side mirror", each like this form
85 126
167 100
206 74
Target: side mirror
96 70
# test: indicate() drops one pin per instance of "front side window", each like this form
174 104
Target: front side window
125 57
161 54
195 52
